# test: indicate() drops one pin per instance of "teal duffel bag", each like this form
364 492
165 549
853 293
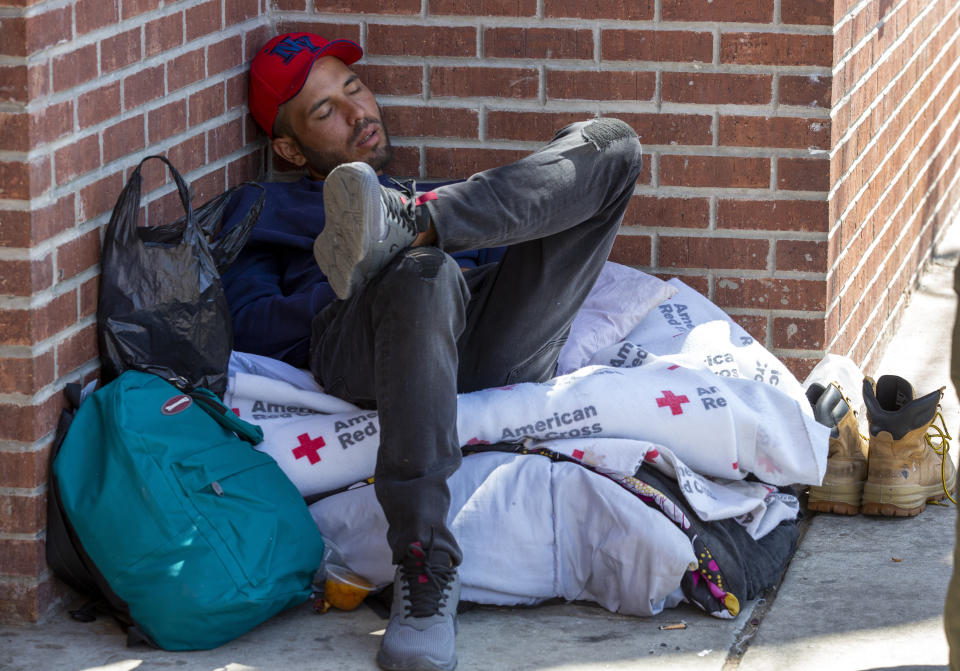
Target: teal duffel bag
160 503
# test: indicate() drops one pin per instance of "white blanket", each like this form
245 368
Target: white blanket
687 390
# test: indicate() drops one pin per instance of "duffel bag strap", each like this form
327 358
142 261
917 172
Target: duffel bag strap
209 401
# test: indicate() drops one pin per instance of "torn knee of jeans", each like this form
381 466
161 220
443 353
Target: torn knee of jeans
601 133
427 259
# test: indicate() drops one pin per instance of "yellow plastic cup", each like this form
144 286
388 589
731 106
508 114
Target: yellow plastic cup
344 589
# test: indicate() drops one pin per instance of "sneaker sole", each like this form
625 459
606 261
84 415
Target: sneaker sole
387 664
903 501
836 499
347 238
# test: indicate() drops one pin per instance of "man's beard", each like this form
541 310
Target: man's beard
322 162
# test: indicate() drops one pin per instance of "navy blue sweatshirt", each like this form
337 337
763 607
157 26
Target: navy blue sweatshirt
275 287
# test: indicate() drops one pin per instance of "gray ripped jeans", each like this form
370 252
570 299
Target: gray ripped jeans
421 331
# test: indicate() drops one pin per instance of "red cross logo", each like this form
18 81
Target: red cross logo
308 447
673 402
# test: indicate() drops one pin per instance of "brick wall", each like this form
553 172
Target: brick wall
893 173
800 157
87 88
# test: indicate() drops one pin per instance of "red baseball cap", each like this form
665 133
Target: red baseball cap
280 68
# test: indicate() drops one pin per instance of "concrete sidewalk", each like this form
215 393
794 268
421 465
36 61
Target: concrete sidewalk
861 593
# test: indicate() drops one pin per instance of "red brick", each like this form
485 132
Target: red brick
809 90
224 55
51 122
188 155
803 174
23 278
780 132
432 122
687 252
755 325
100 197
667 212
203 19
716 88
89 293
123 139
13 83
679 129
656 45
77 350
209 185
13 36
794 333
225 139
28 601
75 68
131 8
421 40
185 70
775 49
255 38
26 327
537 43
741 11
77 158
93 14
247 168
401 80
368 6
808 12
15 131
25 229
22 514
773 215
715 171
143 86
290 6
207 104
163 34
22 558
483 7
237 91
801 367
98 105
636 10
27 469
238 11
79 254
39 31
21 180
601 85
465 82
805 255
22 376
528 126
771 294
631 250
119 51
462 162
166 121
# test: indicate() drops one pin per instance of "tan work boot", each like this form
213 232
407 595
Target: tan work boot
842 487
909 464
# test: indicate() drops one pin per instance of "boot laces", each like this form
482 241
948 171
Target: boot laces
426 581
401 206
938 439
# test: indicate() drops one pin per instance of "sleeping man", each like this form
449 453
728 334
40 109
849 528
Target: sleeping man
350 274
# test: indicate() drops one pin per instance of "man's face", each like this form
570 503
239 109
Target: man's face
335 119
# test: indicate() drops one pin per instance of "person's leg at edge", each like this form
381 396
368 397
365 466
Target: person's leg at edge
392 344
574 191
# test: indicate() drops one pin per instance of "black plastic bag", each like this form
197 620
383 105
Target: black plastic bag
162 309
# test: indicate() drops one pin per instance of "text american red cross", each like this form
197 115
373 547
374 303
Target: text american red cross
672 401
309 447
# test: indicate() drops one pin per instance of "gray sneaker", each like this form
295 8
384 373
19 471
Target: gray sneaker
421 634
366 226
